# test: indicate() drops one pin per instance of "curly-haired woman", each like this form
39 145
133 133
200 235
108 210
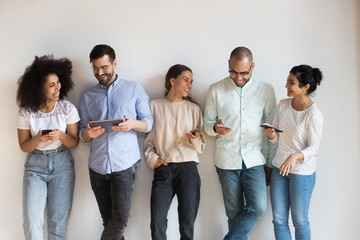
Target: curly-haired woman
47 127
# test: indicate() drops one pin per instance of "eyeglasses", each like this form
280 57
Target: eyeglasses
96 69
242 74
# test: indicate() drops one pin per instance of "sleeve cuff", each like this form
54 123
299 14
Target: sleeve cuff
149 124
80 136
151 162
275 140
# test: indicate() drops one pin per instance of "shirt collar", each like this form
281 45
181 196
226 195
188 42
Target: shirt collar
114 84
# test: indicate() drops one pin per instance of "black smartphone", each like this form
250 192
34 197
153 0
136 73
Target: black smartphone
46 131
267 126
195 131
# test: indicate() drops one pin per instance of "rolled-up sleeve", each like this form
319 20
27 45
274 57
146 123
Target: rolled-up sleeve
84 116
143 108
269 112
210 114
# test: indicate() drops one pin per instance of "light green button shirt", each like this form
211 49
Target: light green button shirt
243 110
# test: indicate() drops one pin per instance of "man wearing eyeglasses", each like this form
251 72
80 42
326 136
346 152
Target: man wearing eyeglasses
235 107
114 153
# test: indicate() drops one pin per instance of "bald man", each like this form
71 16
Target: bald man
235 108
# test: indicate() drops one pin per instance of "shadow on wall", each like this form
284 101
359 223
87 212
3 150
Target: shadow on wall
83 78
155 86
357 63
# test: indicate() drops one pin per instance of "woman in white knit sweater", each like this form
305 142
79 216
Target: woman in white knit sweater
171 149
293 176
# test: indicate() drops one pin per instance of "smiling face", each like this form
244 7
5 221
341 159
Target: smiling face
52 88
104 70
182 84
293 87
240 71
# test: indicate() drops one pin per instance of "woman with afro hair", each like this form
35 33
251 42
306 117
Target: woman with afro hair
47 127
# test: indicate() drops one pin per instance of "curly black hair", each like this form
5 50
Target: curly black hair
30 94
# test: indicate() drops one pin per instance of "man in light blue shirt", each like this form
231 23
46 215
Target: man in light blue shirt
235 108
114 153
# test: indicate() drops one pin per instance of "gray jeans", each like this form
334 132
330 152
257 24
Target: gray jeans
114 194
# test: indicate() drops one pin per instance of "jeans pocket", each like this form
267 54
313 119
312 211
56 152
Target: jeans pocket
160 173
70 158
36 162
27 159
63 160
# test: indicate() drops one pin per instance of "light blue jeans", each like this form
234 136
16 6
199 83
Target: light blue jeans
244 193
49 178
291 192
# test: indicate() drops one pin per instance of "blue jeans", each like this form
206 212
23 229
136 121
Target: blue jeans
292 191
244 193
49 178
183 180
114 194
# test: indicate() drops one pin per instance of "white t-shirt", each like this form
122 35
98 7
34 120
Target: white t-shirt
63 113
302 133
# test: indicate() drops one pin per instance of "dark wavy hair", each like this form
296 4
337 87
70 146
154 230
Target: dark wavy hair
307 75
30 94
174 72
101 50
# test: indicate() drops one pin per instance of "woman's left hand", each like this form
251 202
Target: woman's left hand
288 165
55 135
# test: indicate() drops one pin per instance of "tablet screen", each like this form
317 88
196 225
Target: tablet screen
107 124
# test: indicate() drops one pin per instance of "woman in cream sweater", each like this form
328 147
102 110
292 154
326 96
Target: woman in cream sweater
171 149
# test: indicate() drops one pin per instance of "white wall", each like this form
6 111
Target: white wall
149 37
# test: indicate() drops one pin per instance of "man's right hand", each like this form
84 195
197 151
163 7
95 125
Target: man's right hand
90 133
220 129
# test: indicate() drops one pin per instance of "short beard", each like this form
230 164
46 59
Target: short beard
105 82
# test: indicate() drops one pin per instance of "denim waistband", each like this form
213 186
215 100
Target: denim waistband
51 151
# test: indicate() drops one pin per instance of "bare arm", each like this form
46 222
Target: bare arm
28 143
70 139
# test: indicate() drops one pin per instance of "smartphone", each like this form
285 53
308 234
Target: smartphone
46 131
195 131
267 126
222 126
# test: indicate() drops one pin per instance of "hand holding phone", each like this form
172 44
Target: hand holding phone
268 126
222 126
